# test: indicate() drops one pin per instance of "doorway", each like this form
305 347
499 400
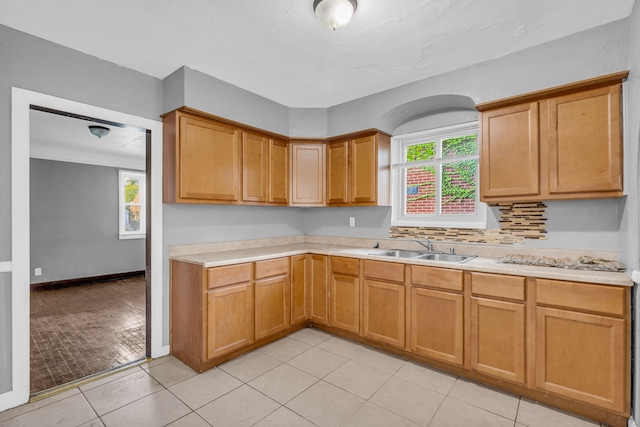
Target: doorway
88 253
19 266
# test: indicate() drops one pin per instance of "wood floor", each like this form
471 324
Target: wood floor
82 330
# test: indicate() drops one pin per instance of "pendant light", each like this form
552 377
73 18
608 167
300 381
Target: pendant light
334 14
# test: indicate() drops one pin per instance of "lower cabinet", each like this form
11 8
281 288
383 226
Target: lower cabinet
318 289
229 319
345 294
272 297
437 315
298 289
384 302
583 355
498 332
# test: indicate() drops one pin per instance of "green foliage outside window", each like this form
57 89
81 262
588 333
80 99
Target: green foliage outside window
464 170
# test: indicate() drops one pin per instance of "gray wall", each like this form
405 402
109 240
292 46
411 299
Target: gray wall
74 223
5 332
31 63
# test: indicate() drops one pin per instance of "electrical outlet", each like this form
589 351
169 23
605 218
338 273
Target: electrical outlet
352 221
37 271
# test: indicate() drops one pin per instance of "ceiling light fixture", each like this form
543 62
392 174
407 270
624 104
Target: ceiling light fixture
99 131
334 14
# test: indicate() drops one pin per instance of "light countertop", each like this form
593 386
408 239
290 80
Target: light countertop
480 264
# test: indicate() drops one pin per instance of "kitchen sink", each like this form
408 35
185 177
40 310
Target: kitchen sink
446 257
402 253
429 255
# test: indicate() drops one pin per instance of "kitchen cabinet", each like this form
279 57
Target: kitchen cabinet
358 170
318 289
299 289
337 172
437 314
307 174
384 302
230 309
345 294
497 322
582 342
559 143
202 160
278 171
272 297
255 167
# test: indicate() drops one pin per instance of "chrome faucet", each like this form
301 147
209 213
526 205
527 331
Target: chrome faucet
428 245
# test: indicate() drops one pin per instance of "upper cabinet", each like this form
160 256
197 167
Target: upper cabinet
213 160
201 160
307 174
358 170
278 171
560 143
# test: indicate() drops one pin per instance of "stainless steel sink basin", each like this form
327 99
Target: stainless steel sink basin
400 253
447 257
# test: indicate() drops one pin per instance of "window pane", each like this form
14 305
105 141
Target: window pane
460 146
421 190
424 151
132 190
132 218
459 187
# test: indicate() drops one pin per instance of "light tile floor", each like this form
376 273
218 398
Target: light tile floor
309 378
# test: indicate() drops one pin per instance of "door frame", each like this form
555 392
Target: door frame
21 100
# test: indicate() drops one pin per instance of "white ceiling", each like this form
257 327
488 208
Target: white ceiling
276 49
62 138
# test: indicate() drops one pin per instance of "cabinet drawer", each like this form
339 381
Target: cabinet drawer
496 285
348 266
272 267
437 277
390 271
581 296
229 275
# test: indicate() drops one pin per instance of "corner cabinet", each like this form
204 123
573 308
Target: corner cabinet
220 312
307 174
559 143
358 170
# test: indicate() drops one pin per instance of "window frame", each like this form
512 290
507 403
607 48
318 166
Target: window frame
398 178
123 234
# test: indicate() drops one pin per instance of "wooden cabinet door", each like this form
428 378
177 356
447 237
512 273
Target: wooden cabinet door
307 174
337 172
229 319
209 160
318 289
384 312
273 309
437 329
363 171
255 167
278 171
509 158
582 356
585 142
498 339
298 289
345 302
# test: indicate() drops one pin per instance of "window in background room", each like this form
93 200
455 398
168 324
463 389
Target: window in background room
434 180
132 205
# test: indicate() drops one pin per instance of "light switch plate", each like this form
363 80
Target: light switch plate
352 221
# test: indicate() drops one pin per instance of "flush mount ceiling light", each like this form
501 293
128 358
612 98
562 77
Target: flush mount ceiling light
99 131
334 14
